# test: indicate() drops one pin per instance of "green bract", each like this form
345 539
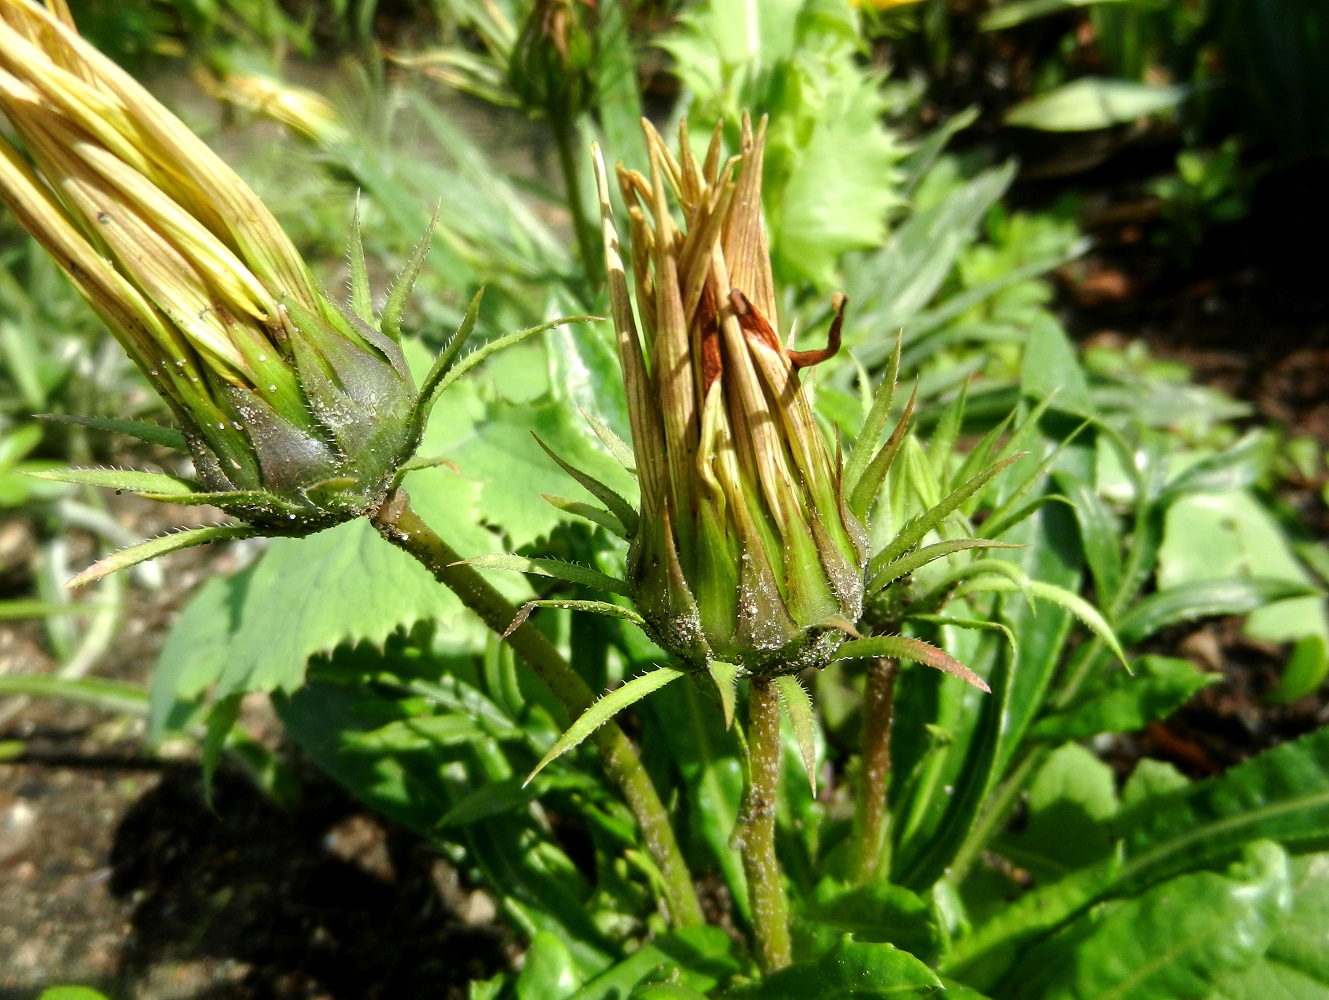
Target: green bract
746 550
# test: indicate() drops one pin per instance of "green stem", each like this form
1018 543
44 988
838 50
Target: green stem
770 925
878 703
588 242
999 806
401 526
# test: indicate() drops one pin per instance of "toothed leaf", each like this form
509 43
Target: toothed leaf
867 487
725 676
568 572
395 305
903 648
155 547
361 301
994 526
167 437
912 533
908 564
604 710
613 443
1088 615
429 385
874 423
798 706
590 512
619 507
974 624
157 483
594 607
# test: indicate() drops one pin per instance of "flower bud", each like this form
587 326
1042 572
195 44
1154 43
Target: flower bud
746 551
295 412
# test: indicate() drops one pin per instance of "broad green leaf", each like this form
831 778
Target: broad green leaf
605 709
1051 369
1231 536
1205 599
1304 671
1281 794
1071 798
1127 702
71 993
879 912
1100 532
155 547
549 972
1092 103
852 970
1234 468
1173 941
1150 778
702 957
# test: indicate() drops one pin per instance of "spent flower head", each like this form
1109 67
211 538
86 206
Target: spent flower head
297 413
745 551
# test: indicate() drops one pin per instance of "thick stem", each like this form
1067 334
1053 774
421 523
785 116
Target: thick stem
770 925
588 242
401 526
878 703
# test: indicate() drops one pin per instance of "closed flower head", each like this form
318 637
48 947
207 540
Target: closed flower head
282 397
745 551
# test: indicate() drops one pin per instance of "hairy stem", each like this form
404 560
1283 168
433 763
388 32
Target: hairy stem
588 240
878 702
770 925
401 526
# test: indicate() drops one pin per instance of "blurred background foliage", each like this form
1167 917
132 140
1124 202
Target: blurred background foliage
948 165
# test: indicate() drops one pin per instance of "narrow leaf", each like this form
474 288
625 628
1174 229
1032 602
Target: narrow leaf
395 305
929 553
725 676
569 572
619 507
798 706
974 624
1206 599
590 512
361 302
903 648
869 484
874 423
155 547
1074 603
167 437
914 531
604 710
157 483
429 388
594 607
613 443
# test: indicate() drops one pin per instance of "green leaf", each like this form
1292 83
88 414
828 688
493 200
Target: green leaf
549 972
1126 703
873 424
868 485
1013 12
620 508
149 433
702 957
1052 370
108 695
593 607
880 912
583 576
1205 599
1175 940
798 706
1093 103
1304 671
155 547
589 512
121 479
605 709
916 560
1234 468
71 993
903 648
852 970
1281 794
1089 616
395 304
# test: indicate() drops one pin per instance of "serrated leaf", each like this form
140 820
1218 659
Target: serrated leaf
903 648
583 576
593 607
1088 615
589 512
907 564
157 483
149 433
605 709
360 300
614 444
869 483
974 624
874 423
155 547
429 385
620 508
395 304
798 706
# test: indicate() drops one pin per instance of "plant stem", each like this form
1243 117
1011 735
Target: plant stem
401 526
588 243
770 925
999 805
878 703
